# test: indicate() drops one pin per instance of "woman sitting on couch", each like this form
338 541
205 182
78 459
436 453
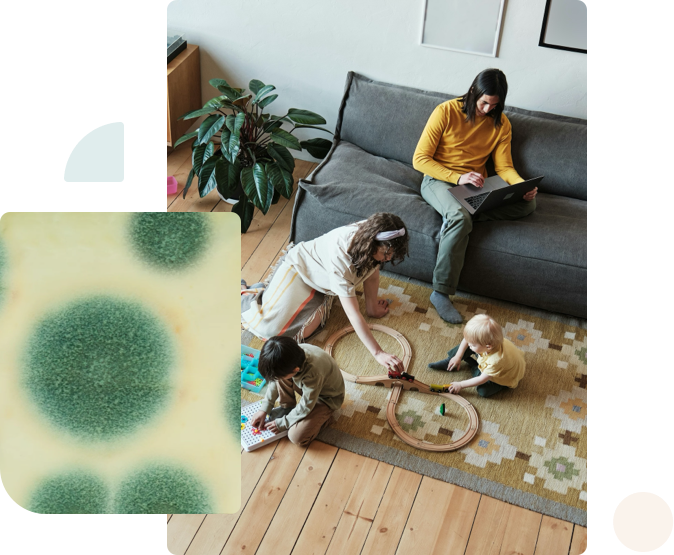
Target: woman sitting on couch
298 298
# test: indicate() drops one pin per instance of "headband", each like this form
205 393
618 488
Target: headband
387 235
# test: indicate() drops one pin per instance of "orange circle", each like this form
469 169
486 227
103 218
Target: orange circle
643 521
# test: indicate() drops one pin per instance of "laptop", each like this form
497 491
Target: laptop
495 192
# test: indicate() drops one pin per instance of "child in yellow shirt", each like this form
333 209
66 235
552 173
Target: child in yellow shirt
499 365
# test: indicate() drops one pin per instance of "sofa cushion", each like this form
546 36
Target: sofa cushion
554 148
356 182
555 232
384 119
359 184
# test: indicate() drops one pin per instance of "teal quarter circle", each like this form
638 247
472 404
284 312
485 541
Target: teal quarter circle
99 367
162 489
98 157
73 492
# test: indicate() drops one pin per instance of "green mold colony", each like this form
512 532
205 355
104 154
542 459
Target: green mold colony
99 367
232 400
162 489
156 489
169 241
75 492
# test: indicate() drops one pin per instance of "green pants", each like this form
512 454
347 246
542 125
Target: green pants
457 224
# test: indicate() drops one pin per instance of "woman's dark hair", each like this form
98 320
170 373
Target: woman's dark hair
364 244
279 357
491 82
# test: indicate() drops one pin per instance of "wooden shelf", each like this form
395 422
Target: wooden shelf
183 86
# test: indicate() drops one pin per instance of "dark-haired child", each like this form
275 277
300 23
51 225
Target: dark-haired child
290 367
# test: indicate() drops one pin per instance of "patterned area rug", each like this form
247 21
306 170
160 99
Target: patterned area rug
531 447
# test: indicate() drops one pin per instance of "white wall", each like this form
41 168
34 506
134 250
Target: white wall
306 47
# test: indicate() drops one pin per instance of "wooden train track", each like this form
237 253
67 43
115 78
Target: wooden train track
398 385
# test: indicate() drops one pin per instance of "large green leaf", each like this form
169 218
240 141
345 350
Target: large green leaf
288 181
218 83
276 121
209 127
234 123
197 113
270 126
229 92
224 144
245 209
262 92
266 101
301 125
186 137
188 182
283 138
262 187
200 154
217 102
282 155
276 197
305 116
248 184
227 177
274 175
318 148
234 143
207 175
270 196
255 85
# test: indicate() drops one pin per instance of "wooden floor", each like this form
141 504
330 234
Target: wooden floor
324 500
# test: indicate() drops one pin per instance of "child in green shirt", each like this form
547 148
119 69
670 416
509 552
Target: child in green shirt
308 370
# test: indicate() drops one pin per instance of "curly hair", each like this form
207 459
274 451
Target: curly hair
364 244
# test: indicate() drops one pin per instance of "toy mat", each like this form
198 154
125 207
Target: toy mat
251 440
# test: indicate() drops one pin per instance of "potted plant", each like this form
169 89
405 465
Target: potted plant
240 148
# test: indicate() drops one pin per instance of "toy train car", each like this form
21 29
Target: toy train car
444 388
395 375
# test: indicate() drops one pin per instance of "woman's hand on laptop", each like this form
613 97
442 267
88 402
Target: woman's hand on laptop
471 178
531 194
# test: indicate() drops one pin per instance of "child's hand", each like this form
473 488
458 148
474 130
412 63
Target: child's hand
455 388
454 364
257 421
272 427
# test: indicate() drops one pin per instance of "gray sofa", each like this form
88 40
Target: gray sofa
539 261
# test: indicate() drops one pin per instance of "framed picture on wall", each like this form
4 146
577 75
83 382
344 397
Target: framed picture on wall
564 25
472 27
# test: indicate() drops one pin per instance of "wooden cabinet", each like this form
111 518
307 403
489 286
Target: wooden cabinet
183 84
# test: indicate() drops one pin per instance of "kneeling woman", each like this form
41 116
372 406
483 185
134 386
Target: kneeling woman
301 290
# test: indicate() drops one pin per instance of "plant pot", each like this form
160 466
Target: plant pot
233 199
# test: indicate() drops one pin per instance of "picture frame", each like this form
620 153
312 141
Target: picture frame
465 37
564 26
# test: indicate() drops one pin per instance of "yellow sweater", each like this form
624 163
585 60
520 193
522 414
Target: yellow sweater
505 366
450 146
